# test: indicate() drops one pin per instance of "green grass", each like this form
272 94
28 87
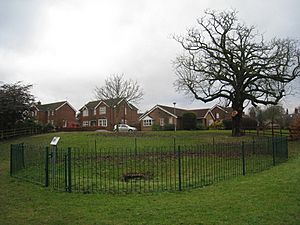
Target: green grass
269 197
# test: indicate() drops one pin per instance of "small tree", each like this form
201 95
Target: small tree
116 86
274 114
226 59
15 103
189 121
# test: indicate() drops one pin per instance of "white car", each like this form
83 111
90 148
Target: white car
124 128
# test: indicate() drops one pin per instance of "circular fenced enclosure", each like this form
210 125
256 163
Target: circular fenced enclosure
144 169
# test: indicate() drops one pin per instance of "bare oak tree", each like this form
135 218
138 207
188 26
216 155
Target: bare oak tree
117 87
225 59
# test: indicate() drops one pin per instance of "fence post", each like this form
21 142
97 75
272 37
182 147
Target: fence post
286 147
23 155
69 171
243 159
135 146
66 170
179 169
174 144
253 145
11 161
47 167
273 151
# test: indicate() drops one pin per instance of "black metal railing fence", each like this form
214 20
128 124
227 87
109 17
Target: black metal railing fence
144 169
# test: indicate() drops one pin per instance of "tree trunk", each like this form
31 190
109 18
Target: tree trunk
237 122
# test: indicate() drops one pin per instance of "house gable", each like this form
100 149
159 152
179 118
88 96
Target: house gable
221 113
101 102
154 108
66 103
219 107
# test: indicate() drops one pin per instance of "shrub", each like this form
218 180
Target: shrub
246 123
169 127
156 127
227 124
201 127
48 127
189 121
217 125
249 123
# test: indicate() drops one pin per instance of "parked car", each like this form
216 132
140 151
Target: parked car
124 128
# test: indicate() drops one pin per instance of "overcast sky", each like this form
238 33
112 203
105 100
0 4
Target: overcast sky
66 48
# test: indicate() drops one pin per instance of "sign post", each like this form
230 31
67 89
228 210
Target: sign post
53 154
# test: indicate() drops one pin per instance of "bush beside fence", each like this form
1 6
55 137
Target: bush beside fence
146 169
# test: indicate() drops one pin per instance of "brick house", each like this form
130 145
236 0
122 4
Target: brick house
162 115
59 114
104 114
204 117
221 113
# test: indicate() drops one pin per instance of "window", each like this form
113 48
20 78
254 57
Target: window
125 111
85 113
65 123
147 122
102 122
95 111
52 122
102 110
161 122
35 113
93 123
85 123
170 120
52 112
123 121
217 115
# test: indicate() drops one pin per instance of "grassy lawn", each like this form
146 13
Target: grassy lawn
269 197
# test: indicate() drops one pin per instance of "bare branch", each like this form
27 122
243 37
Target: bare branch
227 59
117 87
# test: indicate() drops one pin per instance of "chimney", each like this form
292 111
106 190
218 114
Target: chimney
39 103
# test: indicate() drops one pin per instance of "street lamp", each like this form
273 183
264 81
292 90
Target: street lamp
175 120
